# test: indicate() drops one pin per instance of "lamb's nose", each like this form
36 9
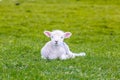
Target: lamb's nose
56 42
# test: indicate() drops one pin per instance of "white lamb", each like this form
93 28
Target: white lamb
56 48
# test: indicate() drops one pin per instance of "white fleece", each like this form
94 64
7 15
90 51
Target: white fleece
56 48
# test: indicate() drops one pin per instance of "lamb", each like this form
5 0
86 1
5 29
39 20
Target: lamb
57 48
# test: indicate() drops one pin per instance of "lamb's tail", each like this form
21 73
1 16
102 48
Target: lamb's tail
80 54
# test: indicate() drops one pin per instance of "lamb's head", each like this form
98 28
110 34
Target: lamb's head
57 36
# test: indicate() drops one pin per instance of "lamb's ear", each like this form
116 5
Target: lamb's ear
47 33
67 34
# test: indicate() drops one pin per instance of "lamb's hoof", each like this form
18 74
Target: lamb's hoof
43 57
83 54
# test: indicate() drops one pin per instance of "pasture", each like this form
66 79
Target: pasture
95 27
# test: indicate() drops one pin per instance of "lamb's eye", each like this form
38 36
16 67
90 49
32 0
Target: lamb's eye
62 37
51 36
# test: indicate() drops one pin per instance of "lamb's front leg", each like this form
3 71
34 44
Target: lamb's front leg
43 57
63 57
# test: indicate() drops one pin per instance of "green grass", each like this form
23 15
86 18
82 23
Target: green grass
95 25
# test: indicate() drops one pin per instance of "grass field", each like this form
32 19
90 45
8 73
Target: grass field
95 25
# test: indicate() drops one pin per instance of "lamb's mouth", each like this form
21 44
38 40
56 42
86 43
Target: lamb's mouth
56 44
